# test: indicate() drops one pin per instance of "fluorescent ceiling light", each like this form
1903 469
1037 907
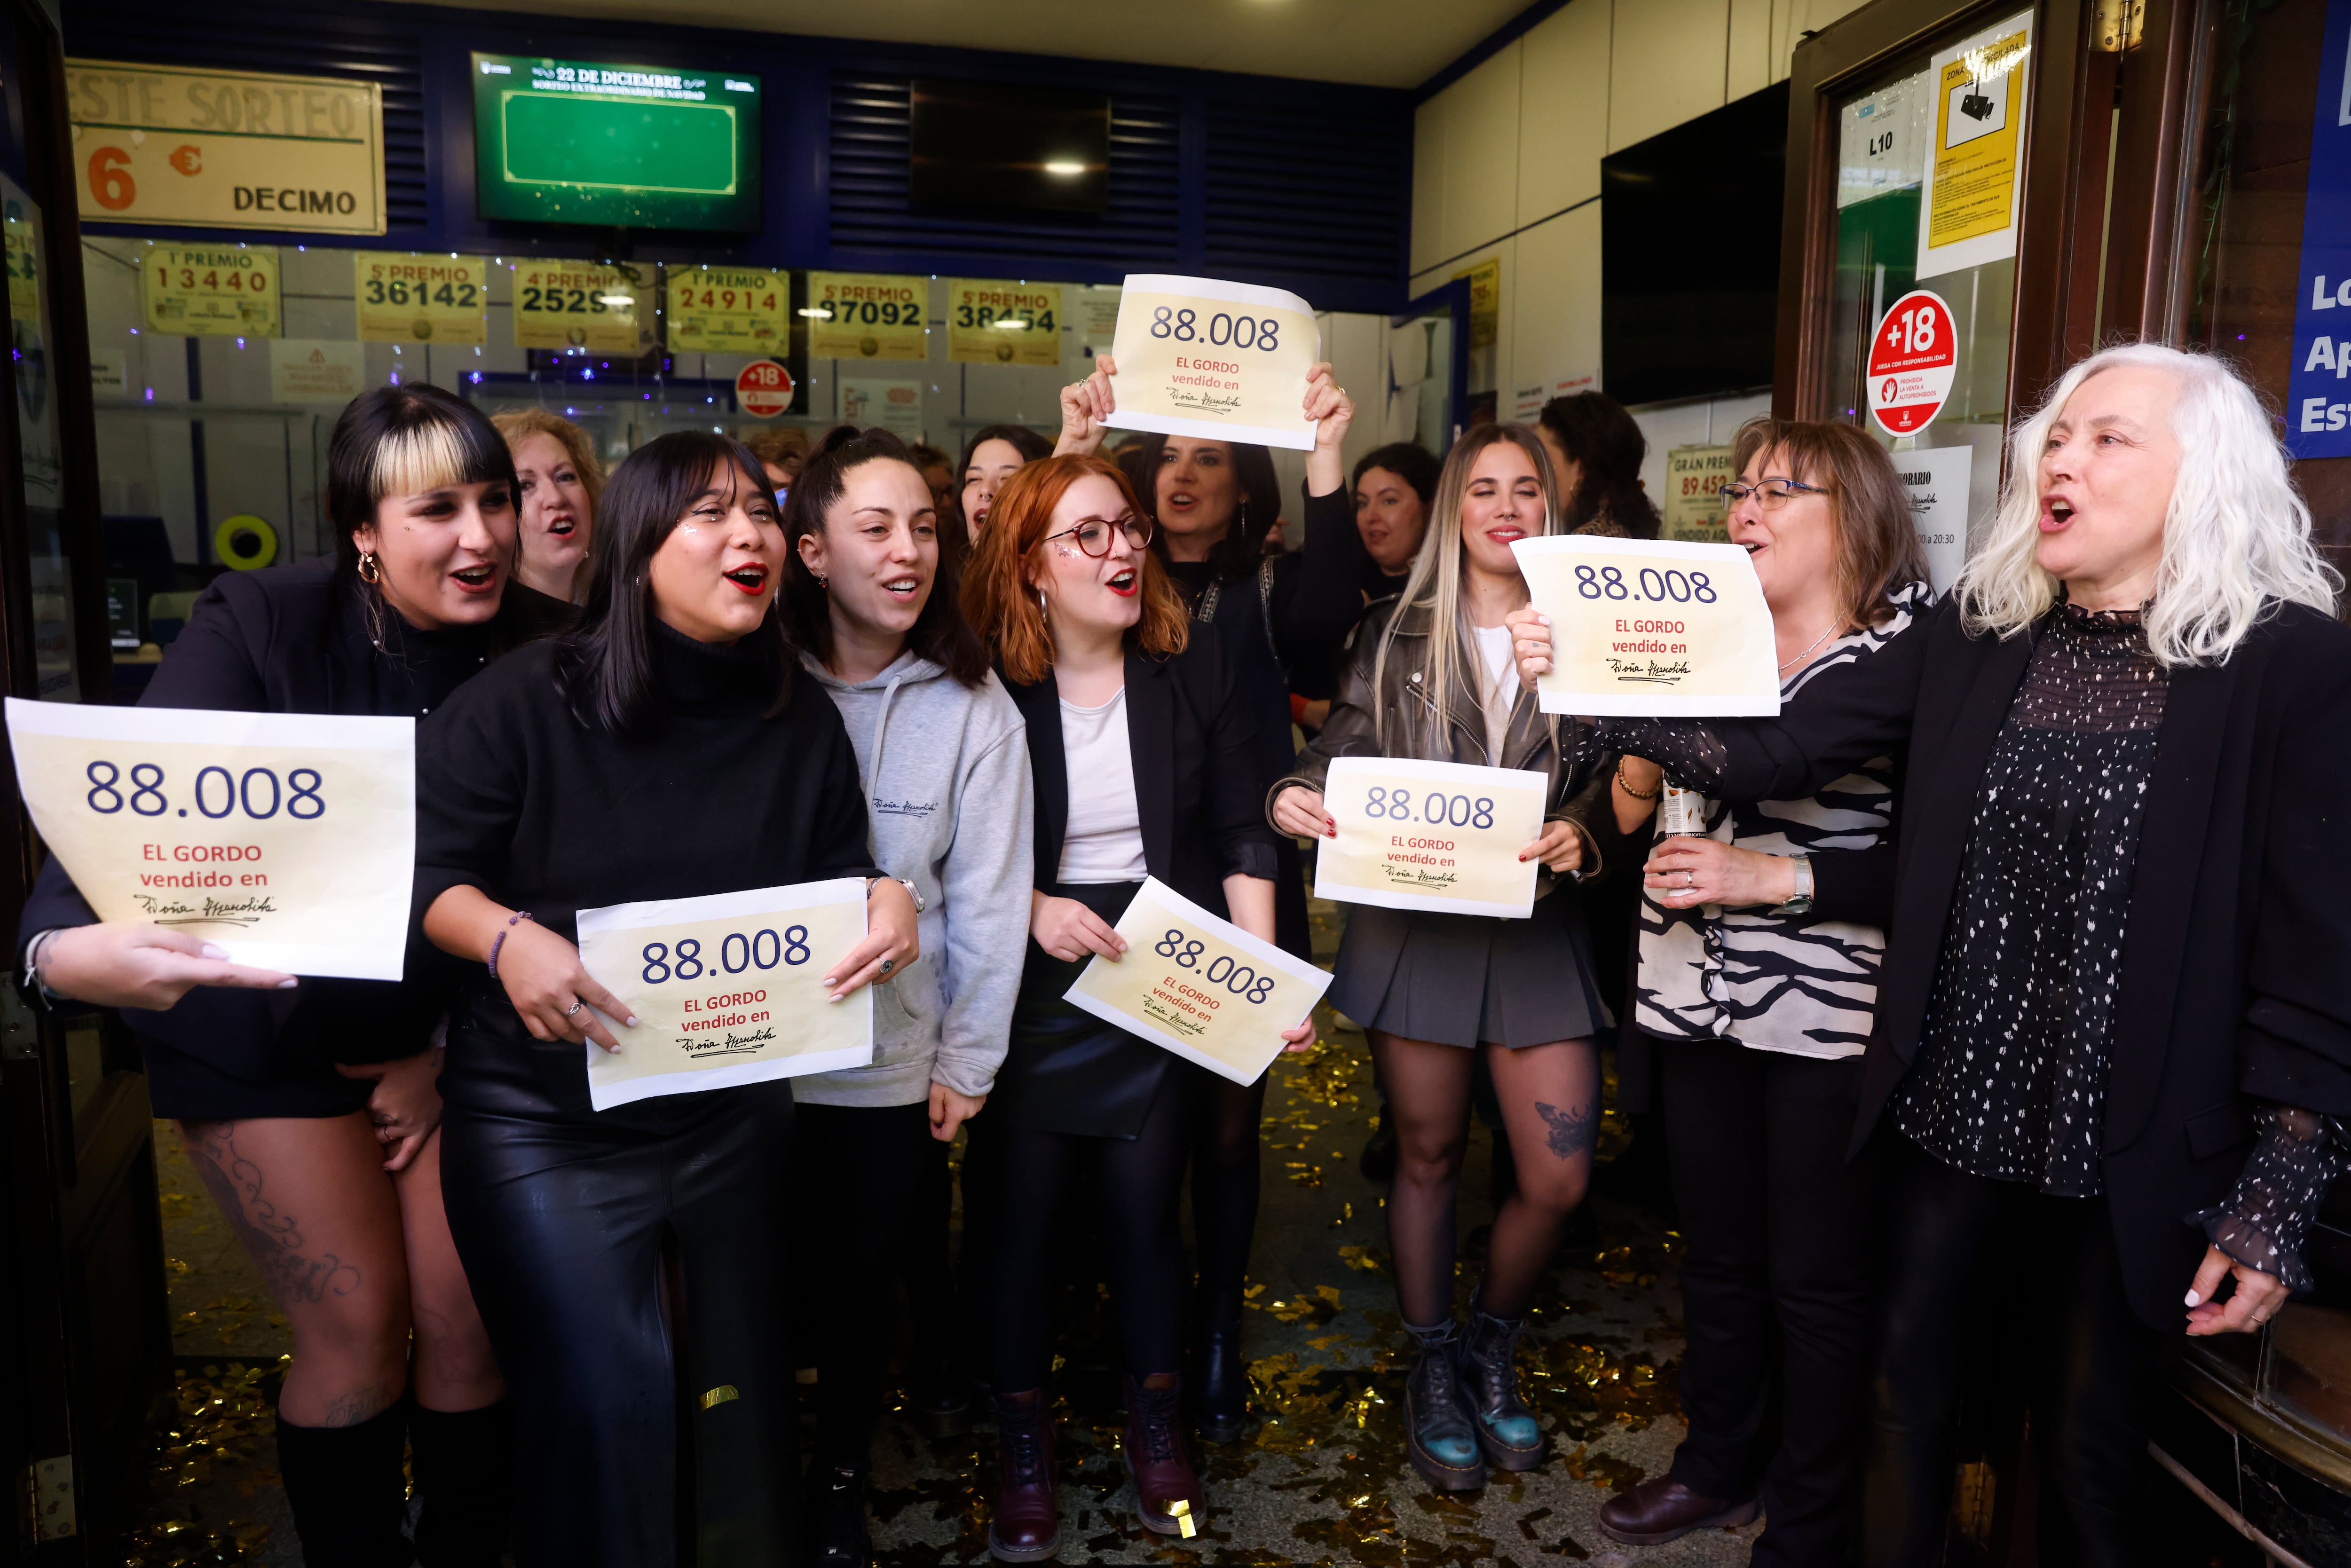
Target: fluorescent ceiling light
1068 168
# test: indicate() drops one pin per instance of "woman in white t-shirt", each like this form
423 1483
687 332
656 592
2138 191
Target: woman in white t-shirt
1433 676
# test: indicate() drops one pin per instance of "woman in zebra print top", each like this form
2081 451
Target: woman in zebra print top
1760 946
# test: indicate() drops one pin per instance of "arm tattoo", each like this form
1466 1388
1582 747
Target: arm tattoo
1572 1131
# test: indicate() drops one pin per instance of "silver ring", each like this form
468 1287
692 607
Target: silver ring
888 965
1689 879
572 1008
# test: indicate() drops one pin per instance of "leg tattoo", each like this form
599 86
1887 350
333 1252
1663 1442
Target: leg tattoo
1572 1131
273 1238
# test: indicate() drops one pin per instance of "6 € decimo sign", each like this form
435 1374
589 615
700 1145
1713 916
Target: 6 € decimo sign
407 298
156 144
212 290
726 990
1226 361
287 839
1648 627
1199 986
729 309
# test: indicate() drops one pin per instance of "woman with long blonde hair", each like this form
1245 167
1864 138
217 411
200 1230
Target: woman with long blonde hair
1432 678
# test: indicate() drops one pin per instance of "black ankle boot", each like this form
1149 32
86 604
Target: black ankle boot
1440 1433
1489 1353
463 1462
1218 1381
840 1534
940 1397
345 1487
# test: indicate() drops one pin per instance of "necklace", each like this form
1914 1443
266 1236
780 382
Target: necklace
1816 642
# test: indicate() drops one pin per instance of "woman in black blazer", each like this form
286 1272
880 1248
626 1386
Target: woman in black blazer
290 1097
2113 1032
1140 742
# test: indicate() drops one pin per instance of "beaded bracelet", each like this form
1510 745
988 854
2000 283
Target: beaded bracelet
1636 794
500 939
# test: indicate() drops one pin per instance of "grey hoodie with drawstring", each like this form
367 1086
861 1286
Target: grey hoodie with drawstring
946 768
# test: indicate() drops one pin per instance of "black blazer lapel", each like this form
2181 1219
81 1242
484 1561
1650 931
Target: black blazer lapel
1151 742
1049 769
2168 859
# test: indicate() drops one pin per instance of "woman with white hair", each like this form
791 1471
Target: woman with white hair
2113 1036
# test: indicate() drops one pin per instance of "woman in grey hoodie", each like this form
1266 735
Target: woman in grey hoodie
872 606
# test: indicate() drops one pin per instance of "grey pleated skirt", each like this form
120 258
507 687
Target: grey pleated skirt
1460 979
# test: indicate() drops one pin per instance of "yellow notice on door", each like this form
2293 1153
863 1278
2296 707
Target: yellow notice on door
287 839
212 290
996 322
1968 212
1199 986
430 298
728 310
1649 628
869 315
579 305
726 990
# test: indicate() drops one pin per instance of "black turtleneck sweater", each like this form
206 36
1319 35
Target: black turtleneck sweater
518 798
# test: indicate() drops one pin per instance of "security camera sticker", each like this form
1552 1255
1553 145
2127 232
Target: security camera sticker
1978 109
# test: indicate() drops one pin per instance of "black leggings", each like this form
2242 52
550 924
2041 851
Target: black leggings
1225 1189
1136 1183
860 1169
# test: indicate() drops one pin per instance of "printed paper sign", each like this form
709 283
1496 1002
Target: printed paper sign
1937 479
1694 508
727 989
576 304
1092 309
1200 987
1912 361
895 406
212 290
289 839
410 297
20 222
728 310
1651 628
1967 214
999 322
315 370
1431 835
1224 362
869 315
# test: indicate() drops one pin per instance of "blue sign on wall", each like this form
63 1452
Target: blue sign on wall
2318 392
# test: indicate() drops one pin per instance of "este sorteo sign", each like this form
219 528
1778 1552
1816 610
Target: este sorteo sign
156 144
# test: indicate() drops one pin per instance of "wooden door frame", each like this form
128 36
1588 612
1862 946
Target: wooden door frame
2050 320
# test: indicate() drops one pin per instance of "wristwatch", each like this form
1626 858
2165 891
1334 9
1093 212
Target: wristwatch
1802 903
921 903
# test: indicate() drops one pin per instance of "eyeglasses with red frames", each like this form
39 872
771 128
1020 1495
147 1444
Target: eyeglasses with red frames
1093 534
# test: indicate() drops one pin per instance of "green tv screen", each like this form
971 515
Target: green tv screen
571 141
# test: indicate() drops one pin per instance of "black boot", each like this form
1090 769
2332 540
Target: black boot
940 1397
840 1536
1440 1433
1219 1382
345 1487
1488 1356
463 1462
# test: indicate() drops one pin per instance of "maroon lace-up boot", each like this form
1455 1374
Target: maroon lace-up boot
1167 1494
1028 1523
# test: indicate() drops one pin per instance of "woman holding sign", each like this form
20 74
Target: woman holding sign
2113 1043
1431 678
663 750
292 1146
1141 745
1760 937
870 595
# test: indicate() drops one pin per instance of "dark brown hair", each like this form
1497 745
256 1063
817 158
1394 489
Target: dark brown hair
997 596
1593 429
1236 554
940 632
1878 547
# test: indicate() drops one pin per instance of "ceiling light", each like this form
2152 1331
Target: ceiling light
1067 168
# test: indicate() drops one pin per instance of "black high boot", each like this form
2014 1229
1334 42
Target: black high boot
345 1487
463 1462
1507 1430
1440 1429
1219 1382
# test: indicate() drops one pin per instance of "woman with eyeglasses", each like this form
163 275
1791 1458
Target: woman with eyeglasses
1760 935
1431 678
1214 505
626 1259
1140 743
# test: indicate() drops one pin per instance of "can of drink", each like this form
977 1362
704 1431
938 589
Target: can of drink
1681 811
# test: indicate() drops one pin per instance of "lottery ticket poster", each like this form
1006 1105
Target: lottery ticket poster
1651 628
1199 986
1431 835
1223 362
287 840
727 989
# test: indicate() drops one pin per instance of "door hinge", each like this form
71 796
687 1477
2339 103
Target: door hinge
49 1495
20 1032
2117 27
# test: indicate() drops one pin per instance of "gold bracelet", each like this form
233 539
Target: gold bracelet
1635 793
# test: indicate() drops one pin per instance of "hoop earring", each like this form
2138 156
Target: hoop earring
368 571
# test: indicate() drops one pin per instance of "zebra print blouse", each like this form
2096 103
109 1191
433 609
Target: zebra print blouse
1793 983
